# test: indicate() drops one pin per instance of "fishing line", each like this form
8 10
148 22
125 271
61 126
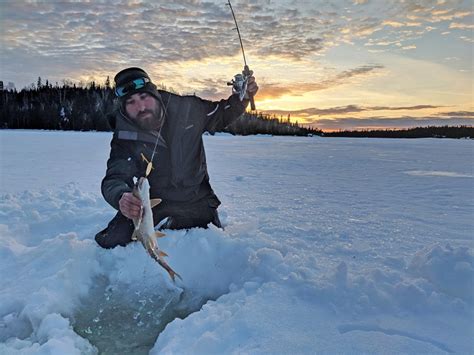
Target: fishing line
150 162
238 31
240 81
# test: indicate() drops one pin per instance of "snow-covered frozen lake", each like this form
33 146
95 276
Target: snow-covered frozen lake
331 245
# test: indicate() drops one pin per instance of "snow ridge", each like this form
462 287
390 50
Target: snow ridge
326 263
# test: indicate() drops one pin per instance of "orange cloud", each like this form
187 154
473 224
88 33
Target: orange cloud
273 90
343 110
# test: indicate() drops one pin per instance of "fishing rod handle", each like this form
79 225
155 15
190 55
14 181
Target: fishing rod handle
247 72
252 103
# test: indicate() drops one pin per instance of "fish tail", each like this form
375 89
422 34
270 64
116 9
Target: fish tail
170 271
156 254
173 274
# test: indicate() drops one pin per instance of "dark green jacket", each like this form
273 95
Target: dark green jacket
180 169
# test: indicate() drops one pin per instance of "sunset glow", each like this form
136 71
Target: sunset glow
332 65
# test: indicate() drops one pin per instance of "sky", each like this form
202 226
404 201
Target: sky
344 64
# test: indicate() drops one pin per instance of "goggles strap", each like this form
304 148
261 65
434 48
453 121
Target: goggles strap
132 85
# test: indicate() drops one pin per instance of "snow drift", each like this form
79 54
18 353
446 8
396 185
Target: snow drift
330 245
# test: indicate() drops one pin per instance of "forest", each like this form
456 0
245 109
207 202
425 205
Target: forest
85 108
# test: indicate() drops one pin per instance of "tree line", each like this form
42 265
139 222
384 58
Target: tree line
417 132
85 108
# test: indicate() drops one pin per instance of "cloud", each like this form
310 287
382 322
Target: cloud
274 90
211 89
106 36
353 123
342 110
404 108
145 32
317 112
467 114
463 26
182 30
449 15
393 23
467 39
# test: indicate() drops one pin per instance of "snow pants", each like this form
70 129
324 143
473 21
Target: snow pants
181 215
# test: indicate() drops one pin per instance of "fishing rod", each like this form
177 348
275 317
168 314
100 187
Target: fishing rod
240 81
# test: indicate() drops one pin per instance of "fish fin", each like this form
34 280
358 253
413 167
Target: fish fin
173 274
162 253
138 221
158 234
155 202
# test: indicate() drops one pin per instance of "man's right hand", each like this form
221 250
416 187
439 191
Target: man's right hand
130 206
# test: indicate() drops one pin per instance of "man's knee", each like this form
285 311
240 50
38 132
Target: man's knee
118 232
195 216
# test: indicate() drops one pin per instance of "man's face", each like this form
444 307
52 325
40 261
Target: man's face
145 110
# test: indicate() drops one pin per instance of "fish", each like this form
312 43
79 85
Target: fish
144 226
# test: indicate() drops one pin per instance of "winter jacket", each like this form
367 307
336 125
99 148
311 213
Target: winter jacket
179 166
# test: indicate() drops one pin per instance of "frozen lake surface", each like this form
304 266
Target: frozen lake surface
330 245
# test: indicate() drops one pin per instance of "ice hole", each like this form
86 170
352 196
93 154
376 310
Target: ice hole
120 320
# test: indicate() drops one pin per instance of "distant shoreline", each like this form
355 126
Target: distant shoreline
72 108
453 132
456 132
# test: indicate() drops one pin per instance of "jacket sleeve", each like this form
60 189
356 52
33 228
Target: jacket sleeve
224 112
120 171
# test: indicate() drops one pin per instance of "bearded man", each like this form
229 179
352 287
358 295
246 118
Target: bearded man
170 126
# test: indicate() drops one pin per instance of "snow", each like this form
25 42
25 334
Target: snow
330 245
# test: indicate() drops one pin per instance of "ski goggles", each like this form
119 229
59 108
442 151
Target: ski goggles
131 86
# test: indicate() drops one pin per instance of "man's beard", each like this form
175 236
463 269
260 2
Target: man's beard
150 120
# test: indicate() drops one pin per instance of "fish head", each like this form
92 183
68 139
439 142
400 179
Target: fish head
142 187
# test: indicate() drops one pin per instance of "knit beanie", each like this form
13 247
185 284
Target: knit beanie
125 86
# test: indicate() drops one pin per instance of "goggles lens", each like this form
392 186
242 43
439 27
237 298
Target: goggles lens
132 85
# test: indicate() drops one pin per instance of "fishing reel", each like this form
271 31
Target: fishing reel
239 85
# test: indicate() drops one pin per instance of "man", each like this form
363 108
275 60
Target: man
168 127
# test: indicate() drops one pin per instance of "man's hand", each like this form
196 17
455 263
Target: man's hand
130 206
252 87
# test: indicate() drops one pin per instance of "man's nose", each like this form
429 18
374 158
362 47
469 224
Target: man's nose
141 105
